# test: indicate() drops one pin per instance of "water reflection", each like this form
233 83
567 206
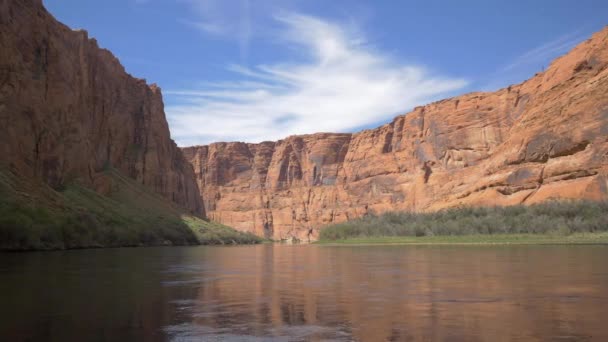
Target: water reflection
307 293
88 295
398 293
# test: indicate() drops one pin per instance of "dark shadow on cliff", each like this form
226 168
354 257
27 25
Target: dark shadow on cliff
34 216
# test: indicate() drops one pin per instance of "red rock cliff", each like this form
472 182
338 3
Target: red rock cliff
68 110
541 139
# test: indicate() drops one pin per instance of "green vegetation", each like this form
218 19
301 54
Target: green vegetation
34 216
213 233
487 239
551 222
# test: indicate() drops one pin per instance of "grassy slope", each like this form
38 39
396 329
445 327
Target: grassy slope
213 233
34 216
553 222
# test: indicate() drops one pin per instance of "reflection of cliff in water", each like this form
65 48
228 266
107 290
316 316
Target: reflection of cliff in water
85 295
306 293
398 293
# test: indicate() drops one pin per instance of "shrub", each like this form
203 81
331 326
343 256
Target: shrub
555 217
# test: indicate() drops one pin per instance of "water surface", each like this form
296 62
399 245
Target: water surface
307 293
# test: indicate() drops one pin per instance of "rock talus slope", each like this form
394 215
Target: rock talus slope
68 110
544 138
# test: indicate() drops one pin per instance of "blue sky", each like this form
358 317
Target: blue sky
254 70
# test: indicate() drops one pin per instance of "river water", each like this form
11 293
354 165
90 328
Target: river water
307 293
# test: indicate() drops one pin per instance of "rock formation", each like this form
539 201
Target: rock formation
68 110
544 138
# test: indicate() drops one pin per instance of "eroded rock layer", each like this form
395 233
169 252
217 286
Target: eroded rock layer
544 138
68 110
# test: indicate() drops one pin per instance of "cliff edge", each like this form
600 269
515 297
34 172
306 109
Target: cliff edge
72 116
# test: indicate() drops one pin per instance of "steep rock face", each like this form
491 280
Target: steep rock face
545 138
68 110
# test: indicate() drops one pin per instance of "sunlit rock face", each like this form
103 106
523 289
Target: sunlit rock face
542 139
69 111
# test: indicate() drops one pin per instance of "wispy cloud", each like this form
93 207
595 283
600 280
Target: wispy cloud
217 17
343 84
204 26
533 60
546 51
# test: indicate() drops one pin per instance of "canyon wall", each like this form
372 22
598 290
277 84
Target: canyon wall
542 139
69 111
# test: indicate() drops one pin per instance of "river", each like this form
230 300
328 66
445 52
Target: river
306 293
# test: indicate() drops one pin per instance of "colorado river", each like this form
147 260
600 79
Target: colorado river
306 293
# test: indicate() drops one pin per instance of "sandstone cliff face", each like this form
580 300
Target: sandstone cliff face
545 138
68 110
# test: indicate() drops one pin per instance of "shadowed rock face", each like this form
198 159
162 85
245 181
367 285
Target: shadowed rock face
544 138
68 110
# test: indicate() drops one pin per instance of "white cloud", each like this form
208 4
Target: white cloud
345 84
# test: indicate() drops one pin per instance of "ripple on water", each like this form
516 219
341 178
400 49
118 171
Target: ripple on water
192 332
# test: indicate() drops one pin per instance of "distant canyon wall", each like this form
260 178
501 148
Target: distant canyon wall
542 139
69 111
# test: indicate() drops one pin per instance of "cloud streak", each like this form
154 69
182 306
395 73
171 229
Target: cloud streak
343 84
546 51
524 65
217 19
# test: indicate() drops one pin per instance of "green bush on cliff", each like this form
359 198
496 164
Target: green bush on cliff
213 233
34 216
24 228
555 217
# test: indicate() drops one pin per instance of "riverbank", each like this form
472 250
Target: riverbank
566 222
495 239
